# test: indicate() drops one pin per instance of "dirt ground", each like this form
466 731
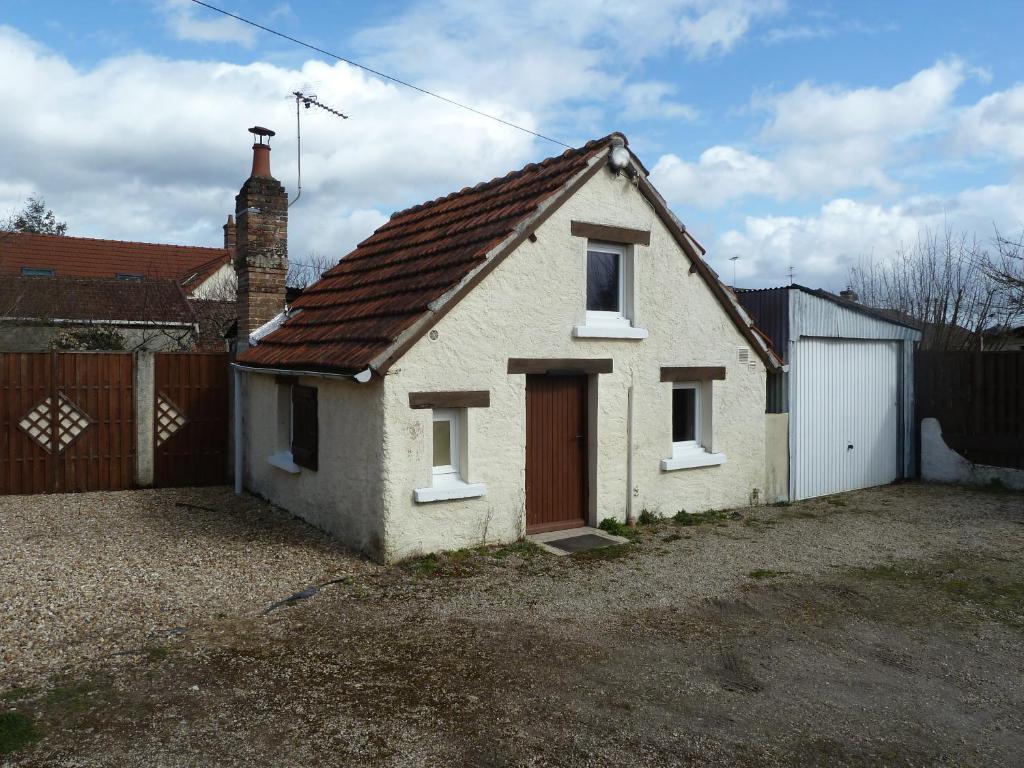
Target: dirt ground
876 628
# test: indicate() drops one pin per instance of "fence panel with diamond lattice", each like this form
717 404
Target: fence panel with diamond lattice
67 422
190 430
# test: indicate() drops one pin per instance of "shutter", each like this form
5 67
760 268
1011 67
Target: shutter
305 427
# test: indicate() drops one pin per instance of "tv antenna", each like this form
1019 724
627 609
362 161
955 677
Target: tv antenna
734 259
792 272
304 97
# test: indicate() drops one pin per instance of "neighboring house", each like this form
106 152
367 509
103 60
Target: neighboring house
202 272
37 314
1004 339
540 351
72 277
848 389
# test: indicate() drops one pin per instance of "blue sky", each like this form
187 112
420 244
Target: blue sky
811 134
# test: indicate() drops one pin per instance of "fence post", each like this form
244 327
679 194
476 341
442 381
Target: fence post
145 404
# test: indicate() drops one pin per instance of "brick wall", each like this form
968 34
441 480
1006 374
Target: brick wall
261 251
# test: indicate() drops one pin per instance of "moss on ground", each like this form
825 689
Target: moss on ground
17 731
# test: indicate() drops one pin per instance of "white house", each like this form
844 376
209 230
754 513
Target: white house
848 390
537 352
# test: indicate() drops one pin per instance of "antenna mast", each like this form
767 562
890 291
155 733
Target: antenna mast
307 100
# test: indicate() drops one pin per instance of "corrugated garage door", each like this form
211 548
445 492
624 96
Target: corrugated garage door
845 415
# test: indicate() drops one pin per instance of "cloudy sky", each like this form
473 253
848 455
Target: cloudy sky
783 132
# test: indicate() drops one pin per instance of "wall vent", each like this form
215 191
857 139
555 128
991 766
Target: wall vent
744 355
752 366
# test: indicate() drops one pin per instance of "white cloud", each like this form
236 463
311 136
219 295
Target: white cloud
995 124
554 57
187 21
823 246
715 27
720 174
815 113
146 148
778 35
819 140
652 100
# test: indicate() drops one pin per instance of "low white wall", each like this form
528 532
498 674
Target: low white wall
343 496
776 449
942 464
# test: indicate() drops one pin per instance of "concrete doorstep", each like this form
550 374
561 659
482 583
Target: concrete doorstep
573 540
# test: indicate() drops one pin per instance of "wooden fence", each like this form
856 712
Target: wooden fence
978 398
96 421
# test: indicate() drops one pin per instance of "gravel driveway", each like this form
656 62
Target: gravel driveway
877 628
83 576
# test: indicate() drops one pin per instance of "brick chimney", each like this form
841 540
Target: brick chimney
230 236
261 247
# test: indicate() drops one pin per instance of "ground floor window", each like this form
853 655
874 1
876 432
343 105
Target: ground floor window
446 446
686 416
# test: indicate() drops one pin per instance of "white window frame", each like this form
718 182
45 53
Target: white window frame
282 457
622 316
687 454
600 324
447 474
697 444
448 481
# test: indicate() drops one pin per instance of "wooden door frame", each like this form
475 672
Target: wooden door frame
589 369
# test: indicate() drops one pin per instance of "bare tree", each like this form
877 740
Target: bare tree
302 274
34 217
945 281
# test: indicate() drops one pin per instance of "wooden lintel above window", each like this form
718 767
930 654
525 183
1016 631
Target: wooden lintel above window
694 373
559 365
286 380
465 399
610 234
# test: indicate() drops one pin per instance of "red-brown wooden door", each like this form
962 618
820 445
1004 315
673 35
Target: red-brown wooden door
556 452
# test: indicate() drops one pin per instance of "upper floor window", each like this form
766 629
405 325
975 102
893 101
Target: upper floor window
36 272
609 284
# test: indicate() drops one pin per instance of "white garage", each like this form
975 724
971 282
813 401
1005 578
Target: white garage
847 388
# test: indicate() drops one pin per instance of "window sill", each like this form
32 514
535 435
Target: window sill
283 460
449 492
692 459
608 332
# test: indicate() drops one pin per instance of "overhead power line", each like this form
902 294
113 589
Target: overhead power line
396 80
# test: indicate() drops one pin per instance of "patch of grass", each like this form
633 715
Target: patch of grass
672 537
522 548
156 652
71 698
1001 598
16 693
647 517
713 516
835 501
615 528
765 573
17 731
425 565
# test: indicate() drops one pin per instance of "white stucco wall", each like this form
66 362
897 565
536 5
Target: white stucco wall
222 284
527 308
940 463
343 496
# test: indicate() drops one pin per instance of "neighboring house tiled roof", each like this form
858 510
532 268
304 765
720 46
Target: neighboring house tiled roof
88 257
93 299
366 311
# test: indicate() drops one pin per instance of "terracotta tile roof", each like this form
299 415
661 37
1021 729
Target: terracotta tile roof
361 307
367 311
89 257
92 298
